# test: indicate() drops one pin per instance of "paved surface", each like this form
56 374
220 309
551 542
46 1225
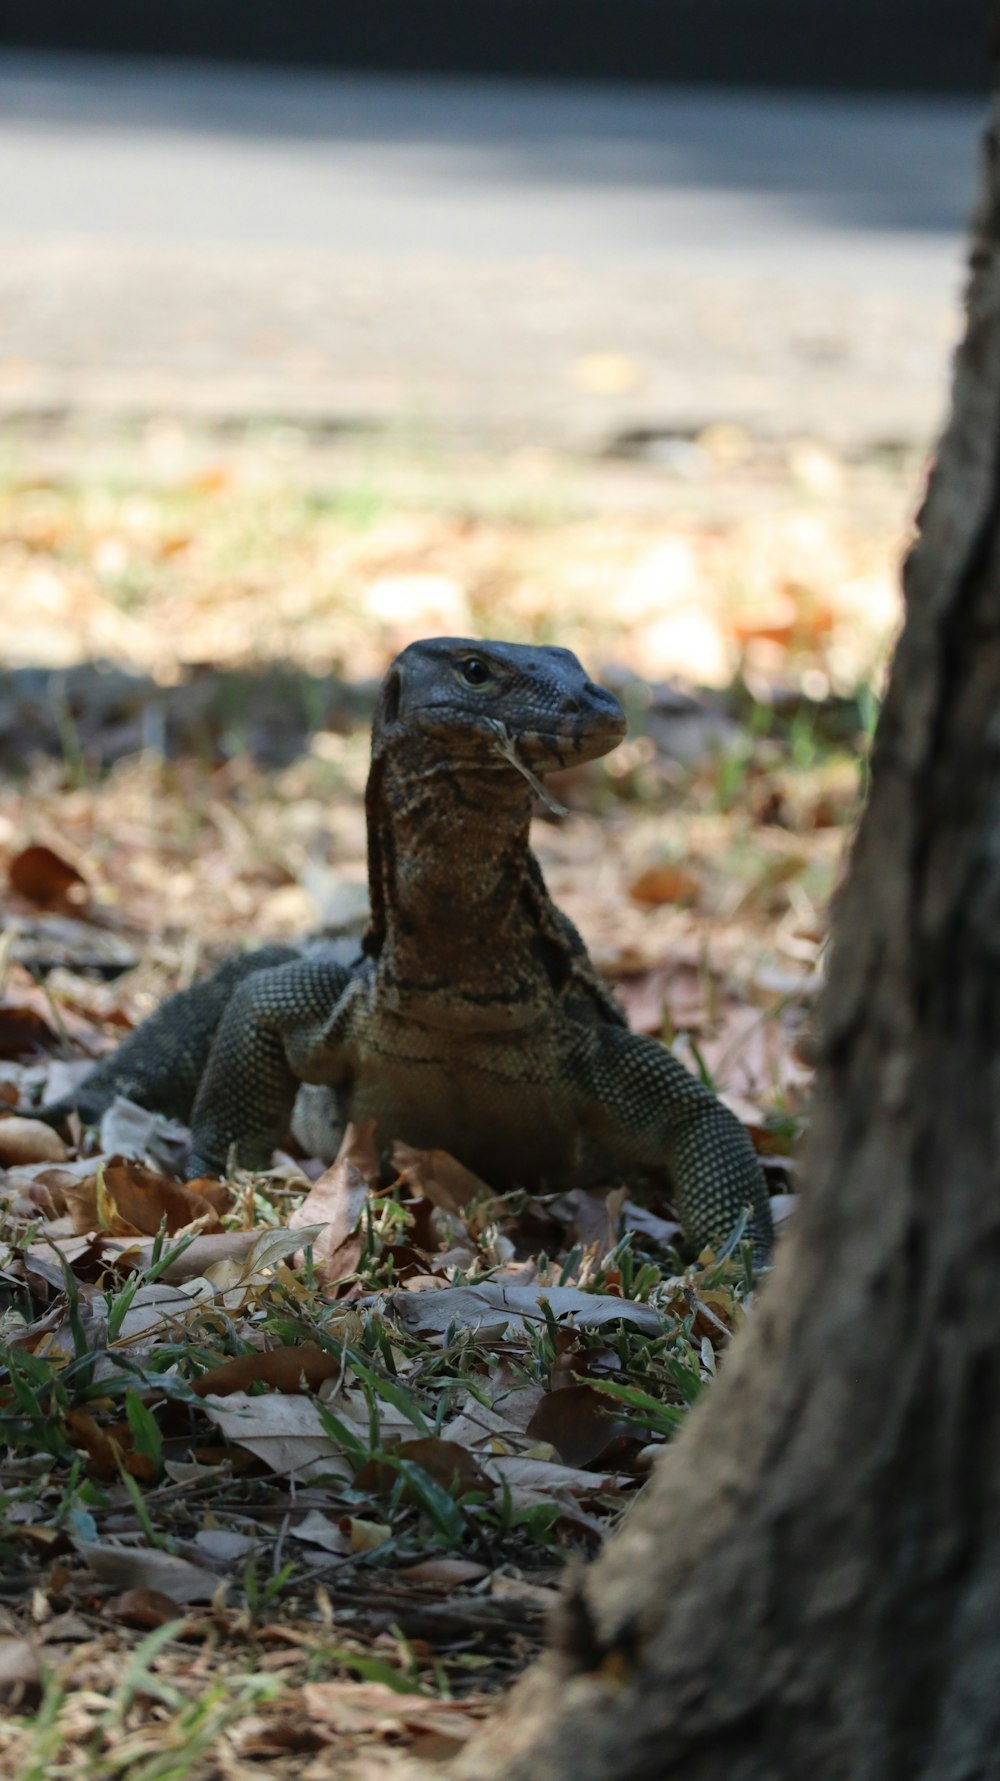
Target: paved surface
485 259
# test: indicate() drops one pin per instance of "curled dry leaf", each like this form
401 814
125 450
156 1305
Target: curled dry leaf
593 1217
365 1536
29 1141
127 1129
663 1231
48 880
238 1280
440 1177
30 1191
336 1202
126 1199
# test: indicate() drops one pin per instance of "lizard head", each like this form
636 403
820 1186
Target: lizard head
528 703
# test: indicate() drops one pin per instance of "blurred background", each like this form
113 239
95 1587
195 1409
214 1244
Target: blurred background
621 326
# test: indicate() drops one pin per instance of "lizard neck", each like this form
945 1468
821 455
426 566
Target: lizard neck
450 871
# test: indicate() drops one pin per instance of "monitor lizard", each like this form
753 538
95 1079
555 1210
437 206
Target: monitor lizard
473 1019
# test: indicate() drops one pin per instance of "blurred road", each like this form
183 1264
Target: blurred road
490 260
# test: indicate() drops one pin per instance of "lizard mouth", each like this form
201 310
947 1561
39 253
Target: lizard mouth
547 751
538 751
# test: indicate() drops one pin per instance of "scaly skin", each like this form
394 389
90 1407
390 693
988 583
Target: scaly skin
478 1023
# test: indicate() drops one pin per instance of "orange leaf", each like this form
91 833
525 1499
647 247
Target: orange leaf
45 878
445 1573
142 1607
288 1370
29 1141
665 884
135 1202
102 1452
23 1030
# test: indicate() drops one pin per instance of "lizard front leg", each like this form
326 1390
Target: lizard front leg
649 1113
271 1038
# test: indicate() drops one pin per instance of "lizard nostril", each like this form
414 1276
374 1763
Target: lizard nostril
571 706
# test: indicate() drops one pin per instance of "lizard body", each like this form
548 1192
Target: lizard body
475 1020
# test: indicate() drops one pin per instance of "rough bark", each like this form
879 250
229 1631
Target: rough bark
811 1584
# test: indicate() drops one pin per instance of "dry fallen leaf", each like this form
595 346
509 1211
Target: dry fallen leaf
665 884
336 1201
316 1529
578 1423
127 1199
366 1536
497 1305
447 1462
532 1480
203 1254
239 1273
46 879
289 1370
223 1546
447 1573
375 1707
20 1673
23 1029
141 1607
440 1177
145 1567
497 1427
104 1453
29 1141
287 1433
518 1589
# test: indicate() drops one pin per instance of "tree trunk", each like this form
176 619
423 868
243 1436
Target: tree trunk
810 1587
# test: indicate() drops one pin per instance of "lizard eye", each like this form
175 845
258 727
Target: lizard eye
473 671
